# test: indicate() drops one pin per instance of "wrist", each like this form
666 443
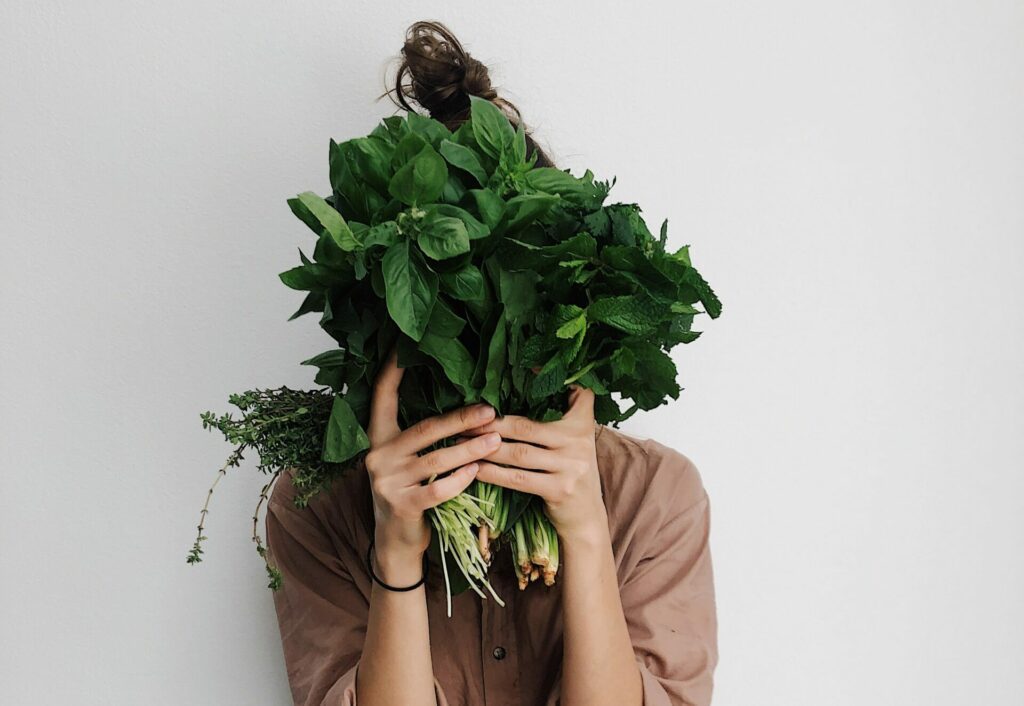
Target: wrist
591 537
397 565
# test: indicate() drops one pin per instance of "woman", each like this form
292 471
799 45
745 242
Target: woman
631 620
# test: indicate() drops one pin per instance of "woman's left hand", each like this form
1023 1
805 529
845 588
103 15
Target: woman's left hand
555 460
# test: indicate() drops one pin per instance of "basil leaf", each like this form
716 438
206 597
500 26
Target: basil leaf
555 181
454 359
329 220
489 205
465 159
407 148
491 127
443 237
474 228
430 129
523 210
344 437
385 234
496 362
421 180
410 287
309 277
466 283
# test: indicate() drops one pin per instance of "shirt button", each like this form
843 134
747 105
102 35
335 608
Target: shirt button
499 653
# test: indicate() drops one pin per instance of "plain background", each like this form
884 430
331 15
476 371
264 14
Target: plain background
850 176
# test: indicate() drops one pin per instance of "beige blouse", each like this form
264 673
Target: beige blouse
486 655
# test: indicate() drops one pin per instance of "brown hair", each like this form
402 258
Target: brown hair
440 76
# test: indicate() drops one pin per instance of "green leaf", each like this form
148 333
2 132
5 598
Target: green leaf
411 288
590 381
454 359
518 292
707 297
329 219
421 180
489 205
628 227
573 326
407 148
552 180
549 380
683 255
522 210
518 255
444 322
606 409
314 301
359 177
518 152
623 362
432 130
327 359
655 375
496 361
465 283
474 228
370 160
635 314
303 214
443 237
344 437
385 234
465 159
309 277
327 252
491 127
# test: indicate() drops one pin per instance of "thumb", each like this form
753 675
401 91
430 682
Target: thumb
581 402
384 405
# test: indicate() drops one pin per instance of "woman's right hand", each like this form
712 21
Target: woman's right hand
397 472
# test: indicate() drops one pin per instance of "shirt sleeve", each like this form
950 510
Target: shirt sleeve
668 598
321 611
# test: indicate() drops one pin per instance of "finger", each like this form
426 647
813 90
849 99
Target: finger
432 429
525 481
524 429
581 403
442 489
527 456
384 405
444 460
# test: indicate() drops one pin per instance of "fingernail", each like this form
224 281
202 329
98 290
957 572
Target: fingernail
484 411
492 440
472 468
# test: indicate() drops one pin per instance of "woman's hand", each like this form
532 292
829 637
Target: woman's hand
555 460
397 472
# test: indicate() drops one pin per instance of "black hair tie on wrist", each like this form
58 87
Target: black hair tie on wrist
399 589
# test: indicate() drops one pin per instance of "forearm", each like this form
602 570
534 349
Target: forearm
397 640
598 663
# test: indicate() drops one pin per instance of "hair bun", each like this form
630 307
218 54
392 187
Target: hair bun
440 75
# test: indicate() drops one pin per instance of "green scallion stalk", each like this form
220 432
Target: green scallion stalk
455 521
521 554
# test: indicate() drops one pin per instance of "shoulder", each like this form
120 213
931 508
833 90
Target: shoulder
342 510
646 481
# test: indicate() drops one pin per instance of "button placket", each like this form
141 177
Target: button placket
498 644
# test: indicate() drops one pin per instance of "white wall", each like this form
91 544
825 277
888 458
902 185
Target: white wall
850 176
